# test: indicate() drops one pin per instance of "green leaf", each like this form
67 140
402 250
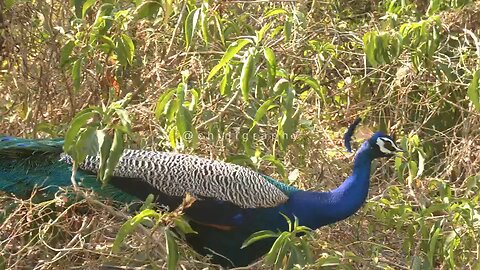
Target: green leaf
286 127
167 10
232 50
433 7
287 30
147 9
172 250
130 225
105 143
413 170
191 25
87 144
181 90
107 41
171 109
379 50
122 51
257 236
219 28
369 47
240 160
421 163
149 202
271 64
277 163
184 120
129 47
86 6
281 86
183 225
187 131
433 245
275 12
227 81
77 74
65 52
288 220
262 110
162 102
287 100
282 252
9 3
272 256
416 263
80 120
311 82
204 25
124 120
246 76
473 91
114 156
78 6
262 32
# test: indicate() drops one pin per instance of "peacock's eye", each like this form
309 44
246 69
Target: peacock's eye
387 146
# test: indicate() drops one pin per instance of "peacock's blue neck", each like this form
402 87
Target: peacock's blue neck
316 209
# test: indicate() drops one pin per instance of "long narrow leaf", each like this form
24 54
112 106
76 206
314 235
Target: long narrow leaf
232 50
257 236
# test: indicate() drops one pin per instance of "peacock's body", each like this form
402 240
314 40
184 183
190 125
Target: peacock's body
232 201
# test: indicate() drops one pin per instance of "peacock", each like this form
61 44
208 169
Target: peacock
233 202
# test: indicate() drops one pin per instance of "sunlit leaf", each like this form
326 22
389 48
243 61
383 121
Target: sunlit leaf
80 120
129 47
65 52
246 76
191 25
275 12
262 31
9 3
271 64
167 10
227 81
232 50
272 256
277 163
473 91
78 6
87 5
204 25
172 250
77 74
287 30
114 156
147 9
257 236
130 225
369 47
183 225
162 102
87 144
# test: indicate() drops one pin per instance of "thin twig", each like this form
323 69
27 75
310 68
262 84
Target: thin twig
220 113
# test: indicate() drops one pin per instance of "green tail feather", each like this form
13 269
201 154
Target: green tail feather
27 164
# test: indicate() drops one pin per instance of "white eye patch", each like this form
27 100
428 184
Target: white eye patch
387 146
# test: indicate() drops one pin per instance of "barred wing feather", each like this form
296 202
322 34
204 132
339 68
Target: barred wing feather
178 174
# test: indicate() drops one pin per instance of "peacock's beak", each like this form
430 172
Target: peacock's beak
398 149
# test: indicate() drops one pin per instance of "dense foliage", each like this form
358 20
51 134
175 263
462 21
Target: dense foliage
267 84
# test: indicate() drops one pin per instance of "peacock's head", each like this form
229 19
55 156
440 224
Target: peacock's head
383 145
379 144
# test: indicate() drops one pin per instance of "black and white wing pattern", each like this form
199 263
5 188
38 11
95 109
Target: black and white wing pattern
177 174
